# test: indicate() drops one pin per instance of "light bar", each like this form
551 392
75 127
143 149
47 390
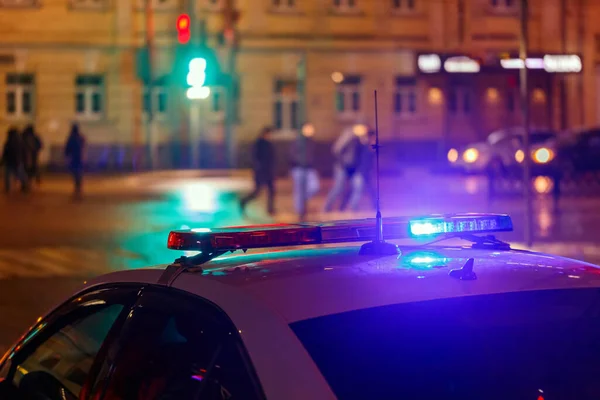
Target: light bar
282 235
465 223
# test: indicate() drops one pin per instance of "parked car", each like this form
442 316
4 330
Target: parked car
579 152
502 153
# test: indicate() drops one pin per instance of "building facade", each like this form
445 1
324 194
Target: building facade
78 60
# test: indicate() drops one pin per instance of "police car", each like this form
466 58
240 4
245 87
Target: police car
316 319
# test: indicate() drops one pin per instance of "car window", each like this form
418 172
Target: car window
54 360
176 346
523 345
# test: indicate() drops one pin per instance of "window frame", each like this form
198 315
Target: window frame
402 6
461 92
157 91
157 6
19 3
72 310
344 6
19 89
283 6
286 99
88 91
502 7
88 5
405 90
349 90
182 301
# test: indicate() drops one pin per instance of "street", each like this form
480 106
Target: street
50 243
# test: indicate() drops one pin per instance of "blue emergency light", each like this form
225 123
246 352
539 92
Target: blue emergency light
281 235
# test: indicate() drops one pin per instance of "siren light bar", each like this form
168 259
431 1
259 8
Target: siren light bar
282 235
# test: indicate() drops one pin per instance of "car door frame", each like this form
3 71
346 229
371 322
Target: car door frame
283 366
62 316
198 302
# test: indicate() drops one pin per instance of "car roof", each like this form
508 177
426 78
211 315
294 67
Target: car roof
306 283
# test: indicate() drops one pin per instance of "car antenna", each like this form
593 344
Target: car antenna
378 247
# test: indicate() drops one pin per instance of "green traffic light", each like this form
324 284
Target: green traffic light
196 78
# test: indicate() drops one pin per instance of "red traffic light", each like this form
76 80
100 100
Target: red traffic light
183 28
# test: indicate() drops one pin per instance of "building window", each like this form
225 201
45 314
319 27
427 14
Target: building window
403 5
214 5
459 101
344 5
158 100
89 4
348 97
511 98
159 4
503 6
217 103
89 97
286 105
283 5
19 95
19 3
405 97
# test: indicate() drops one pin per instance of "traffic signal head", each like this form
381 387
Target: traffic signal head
196 78
183 29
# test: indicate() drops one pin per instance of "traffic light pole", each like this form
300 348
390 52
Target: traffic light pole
150 146
523 50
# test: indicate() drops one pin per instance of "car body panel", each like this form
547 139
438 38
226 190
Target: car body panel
263 292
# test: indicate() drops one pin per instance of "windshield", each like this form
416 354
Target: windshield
504 346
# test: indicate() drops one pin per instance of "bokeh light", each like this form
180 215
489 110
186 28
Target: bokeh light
337 77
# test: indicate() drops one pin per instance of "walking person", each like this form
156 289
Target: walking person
346 152
362 179
263 159
74 152
304 175
13 161
32 147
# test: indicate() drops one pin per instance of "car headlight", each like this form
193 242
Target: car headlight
543 155
470 155
453 155
519 156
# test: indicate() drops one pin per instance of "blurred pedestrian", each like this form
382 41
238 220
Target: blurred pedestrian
13 160
263 160
32 147
362 179
74 153
346 152
304 174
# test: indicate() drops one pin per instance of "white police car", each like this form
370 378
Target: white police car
324 321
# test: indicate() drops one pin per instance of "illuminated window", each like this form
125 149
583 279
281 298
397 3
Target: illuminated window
348 97
286 105
19 95
405 97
